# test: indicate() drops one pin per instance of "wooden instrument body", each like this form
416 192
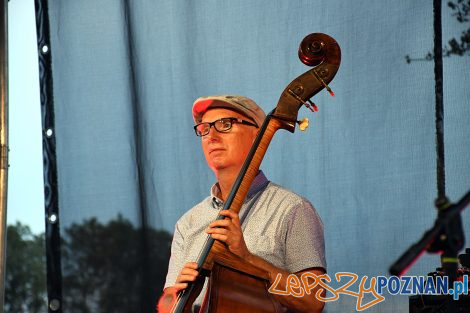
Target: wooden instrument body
235 285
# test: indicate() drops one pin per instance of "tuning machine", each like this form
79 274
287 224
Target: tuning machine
303 124
311 106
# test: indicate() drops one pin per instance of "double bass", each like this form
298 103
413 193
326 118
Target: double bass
234 284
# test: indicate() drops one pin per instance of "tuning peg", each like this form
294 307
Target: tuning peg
303 124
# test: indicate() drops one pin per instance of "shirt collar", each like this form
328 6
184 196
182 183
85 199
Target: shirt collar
259 183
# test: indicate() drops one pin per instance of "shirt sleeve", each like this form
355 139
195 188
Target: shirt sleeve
176 259
305 244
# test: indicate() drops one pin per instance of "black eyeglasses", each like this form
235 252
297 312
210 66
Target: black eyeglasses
222 125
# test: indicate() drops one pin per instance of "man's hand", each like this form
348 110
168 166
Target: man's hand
229 231
188 274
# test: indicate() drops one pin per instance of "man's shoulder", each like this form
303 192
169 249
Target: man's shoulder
200 209
281 193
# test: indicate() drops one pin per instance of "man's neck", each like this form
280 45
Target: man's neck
226 178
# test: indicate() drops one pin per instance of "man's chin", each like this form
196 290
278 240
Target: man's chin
217 166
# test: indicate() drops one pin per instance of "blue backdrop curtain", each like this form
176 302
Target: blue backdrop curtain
125 74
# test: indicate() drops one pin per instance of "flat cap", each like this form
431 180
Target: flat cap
240 104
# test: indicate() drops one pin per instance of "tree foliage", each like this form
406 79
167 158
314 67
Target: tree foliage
455 46
25 275
461 11
113 267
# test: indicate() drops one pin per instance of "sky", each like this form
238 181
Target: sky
25 180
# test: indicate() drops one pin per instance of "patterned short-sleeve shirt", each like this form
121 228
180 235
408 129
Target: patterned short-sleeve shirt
278 225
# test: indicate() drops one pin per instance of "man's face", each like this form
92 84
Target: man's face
227 150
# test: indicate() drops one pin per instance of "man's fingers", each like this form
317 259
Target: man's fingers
220 223
230 214
227 223
180 286
189 272
220 237
220 231
187 277
192 265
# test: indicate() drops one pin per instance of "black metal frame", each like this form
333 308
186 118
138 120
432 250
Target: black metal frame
51 200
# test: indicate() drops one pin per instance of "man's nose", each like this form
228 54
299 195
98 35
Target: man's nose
213 133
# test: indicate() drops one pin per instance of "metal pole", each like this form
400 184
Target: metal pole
439 92
3 142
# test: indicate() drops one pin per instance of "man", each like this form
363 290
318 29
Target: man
275 230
